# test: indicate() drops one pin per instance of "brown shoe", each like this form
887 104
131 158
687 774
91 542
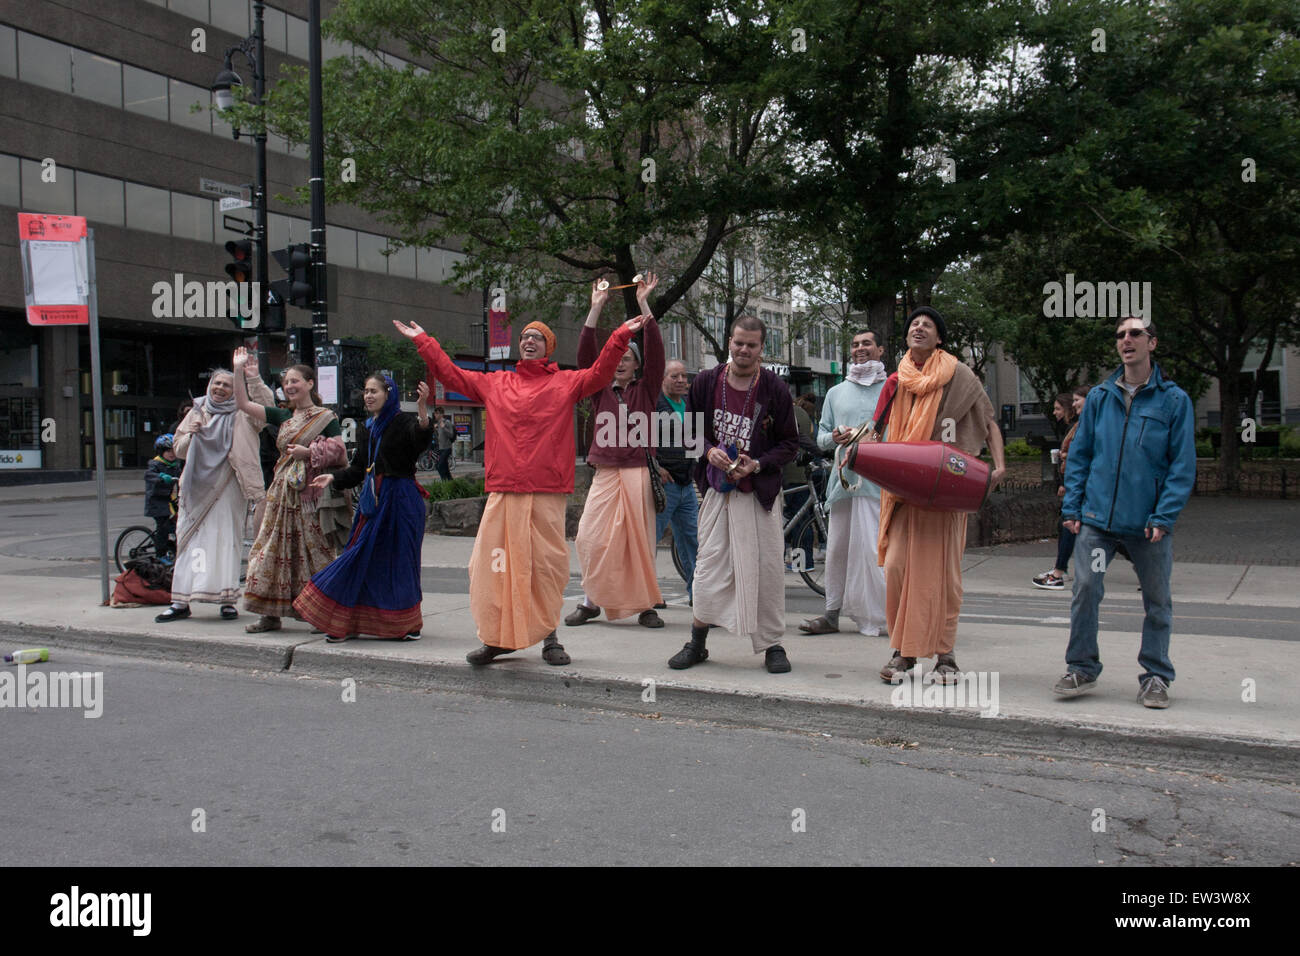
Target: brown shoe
486 654
581 615
946 670
650 619
266 622
553 651
818 625
897 668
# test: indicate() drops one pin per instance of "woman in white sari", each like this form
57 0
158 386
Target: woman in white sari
221 476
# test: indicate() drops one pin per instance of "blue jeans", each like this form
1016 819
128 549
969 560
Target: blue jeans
683 512
1153 563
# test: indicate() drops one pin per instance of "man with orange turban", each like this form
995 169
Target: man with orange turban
937 399
520 564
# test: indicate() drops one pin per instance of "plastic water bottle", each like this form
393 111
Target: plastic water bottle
29 656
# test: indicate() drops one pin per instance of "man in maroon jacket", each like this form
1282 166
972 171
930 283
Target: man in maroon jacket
750 435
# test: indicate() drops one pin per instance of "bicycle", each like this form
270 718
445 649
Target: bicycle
805 532
138 542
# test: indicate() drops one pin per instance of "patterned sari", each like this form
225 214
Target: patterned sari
290 547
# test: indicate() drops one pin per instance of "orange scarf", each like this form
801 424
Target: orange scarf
916 406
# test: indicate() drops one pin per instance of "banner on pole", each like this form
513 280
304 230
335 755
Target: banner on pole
56 282
498 335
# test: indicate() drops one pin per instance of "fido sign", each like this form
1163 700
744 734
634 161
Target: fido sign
56 279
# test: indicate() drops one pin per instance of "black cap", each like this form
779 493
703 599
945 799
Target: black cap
934 315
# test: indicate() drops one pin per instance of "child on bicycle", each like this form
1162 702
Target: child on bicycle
161 483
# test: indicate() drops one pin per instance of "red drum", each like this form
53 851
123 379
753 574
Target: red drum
928 474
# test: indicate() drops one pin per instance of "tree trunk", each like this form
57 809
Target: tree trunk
1229 449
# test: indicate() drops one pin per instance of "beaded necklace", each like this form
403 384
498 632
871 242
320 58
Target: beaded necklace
721 396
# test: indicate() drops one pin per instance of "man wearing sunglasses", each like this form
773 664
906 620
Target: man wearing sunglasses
1131 469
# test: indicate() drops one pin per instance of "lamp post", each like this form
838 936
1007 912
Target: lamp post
254 51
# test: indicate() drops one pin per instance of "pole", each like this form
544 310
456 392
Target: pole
320 305
487 322
97 398
261 268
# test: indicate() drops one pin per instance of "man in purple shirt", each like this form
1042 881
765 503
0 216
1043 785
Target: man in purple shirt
749 436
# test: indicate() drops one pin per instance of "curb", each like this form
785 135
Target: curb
870 722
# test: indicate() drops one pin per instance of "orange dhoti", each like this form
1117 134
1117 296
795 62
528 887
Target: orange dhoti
923 580
519 569
616 544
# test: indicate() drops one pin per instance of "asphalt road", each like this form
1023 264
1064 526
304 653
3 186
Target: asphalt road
284 770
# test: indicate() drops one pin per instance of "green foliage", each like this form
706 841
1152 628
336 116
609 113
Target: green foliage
399 357
1204 449
1019 448
456 488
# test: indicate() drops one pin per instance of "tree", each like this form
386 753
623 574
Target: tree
557 140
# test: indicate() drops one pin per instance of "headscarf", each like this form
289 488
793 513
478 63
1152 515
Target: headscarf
546 334
383 417
207 458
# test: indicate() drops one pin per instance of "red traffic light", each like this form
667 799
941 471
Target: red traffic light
241 250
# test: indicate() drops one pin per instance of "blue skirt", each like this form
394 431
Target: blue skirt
373 587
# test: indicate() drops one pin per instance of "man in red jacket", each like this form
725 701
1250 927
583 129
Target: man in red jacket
520 564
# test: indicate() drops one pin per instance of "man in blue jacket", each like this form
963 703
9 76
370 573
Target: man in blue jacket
1131 469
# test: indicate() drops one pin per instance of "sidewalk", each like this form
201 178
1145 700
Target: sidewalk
834 687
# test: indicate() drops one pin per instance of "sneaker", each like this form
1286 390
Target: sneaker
1049 581
775 660
689 656
898 666
1074 683
1154 693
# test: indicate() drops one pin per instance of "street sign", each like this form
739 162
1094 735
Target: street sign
56 273
211 187
235 224
233 202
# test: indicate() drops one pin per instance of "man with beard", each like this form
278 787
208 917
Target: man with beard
749 436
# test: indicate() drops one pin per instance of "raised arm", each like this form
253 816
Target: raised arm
587 350
441 367
592 380
652 372
246 368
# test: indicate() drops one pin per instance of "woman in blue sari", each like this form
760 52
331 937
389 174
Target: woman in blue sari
373 587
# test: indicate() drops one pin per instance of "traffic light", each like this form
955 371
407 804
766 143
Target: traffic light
241 253
297 289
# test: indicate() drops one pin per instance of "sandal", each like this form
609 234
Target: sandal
649 619
264 623
331 639
486 653
818 625
581 615
553 651
946 670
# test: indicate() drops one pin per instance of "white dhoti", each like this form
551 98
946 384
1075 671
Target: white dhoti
855 583
740 568
208 555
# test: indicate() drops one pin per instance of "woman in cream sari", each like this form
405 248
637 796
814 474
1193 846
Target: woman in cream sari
290 547
221 476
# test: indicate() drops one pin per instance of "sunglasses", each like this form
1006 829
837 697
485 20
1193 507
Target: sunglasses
1129 333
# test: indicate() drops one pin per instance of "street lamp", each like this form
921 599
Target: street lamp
253 50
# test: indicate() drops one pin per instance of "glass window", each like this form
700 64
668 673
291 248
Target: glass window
341 246
144 92
97 78
330 48
44 63
297 46
428 265
148 208
232 16
9 181
183 97
99 199
402 262
449 262
370 252
191 217
40 196
273 28
8 52
198 9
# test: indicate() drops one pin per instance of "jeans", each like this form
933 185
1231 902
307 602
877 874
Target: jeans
1153 563
682 511
444 471
1064 548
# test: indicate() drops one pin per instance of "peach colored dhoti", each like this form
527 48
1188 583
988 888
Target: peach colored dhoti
923 580
519 569
615 543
